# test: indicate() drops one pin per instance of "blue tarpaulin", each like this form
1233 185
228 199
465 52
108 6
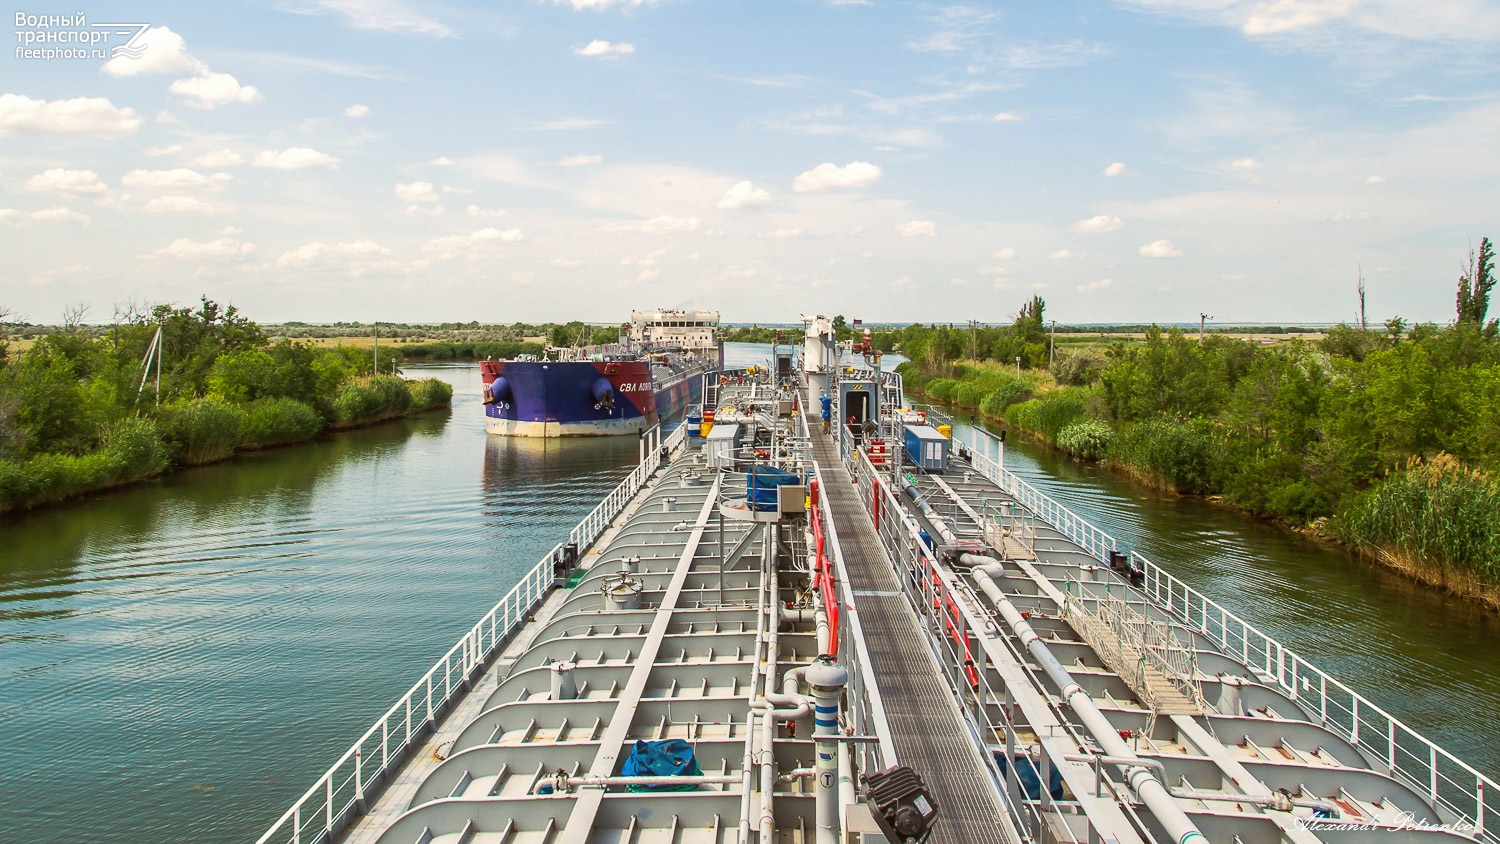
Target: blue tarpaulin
1031 783
761 483
668 758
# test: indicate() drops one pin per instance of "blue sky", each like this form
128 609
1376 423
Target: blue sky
554 159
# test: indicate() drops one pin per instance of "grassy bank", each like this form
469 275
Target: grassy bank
207 430
1435 519
85 411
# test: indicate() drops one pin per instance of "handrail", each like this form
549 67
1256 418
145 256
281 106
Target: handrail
340 794
1407 755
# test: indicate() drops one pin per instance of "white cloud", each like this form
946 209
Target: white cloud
657 225
1095 285
453 189
224 250
1007 117
1060 255
59 180
357 111
1455 20
167 118
1116 169
441 161
182 205
60 214
743 195
599 48
180 178
827 176
1160 249
385 16
156 152
161 51
1005 254
602 5
917 228
220 158
425 211
231 231
581 160
992 269
566 263
1373 179
416 192
474 245
648 260
295 158
210 90
783 234
1243 165
476 211
1101 223
355 257
85 116
570 123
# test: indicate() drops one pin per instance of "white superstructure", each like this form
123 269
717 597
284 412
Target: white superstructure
675 328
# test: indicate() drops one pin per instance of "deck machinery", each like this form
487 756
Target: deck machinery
801 618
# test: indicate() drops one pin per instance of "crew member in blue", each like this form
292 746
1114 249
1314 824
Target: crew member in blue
827 411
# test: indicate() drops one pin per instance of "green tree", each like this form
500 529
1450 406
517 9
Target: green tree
1474 289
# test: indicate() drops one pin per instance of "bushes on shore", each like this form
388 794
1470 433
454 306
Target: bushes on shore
130 450
76 415
202 430
271 422
1436 513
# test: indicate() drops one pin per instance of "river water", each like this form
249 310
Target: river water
180 660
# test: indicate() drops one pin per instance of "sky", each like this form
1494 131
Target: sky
539 160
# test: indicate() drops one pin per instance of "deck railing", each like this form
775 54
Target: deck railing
1470 798
365 768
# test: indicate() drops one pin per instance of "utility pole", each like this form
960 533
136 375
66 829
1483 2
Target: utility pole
1361 297
375 365
1018 366
1052 345
1202 318
973 340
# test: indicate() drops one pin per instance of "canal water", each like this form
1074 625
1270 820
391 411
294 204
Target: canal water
180 660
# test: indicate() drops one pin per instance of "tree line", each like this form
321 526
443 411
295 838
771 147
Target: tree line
82 410
1388 438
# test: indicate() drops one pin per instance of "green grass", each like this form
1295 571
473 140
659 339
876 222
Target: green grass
1435 514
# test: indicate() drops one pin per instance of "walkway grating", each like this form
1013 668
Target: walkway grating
926 725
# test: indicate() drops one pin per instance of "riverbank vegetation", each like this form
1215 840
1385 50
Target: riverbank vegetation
1387 439
80 410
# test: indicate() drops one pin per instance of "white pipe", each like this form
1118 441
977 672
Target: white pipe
1140 778
768 718
763 609
715 779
